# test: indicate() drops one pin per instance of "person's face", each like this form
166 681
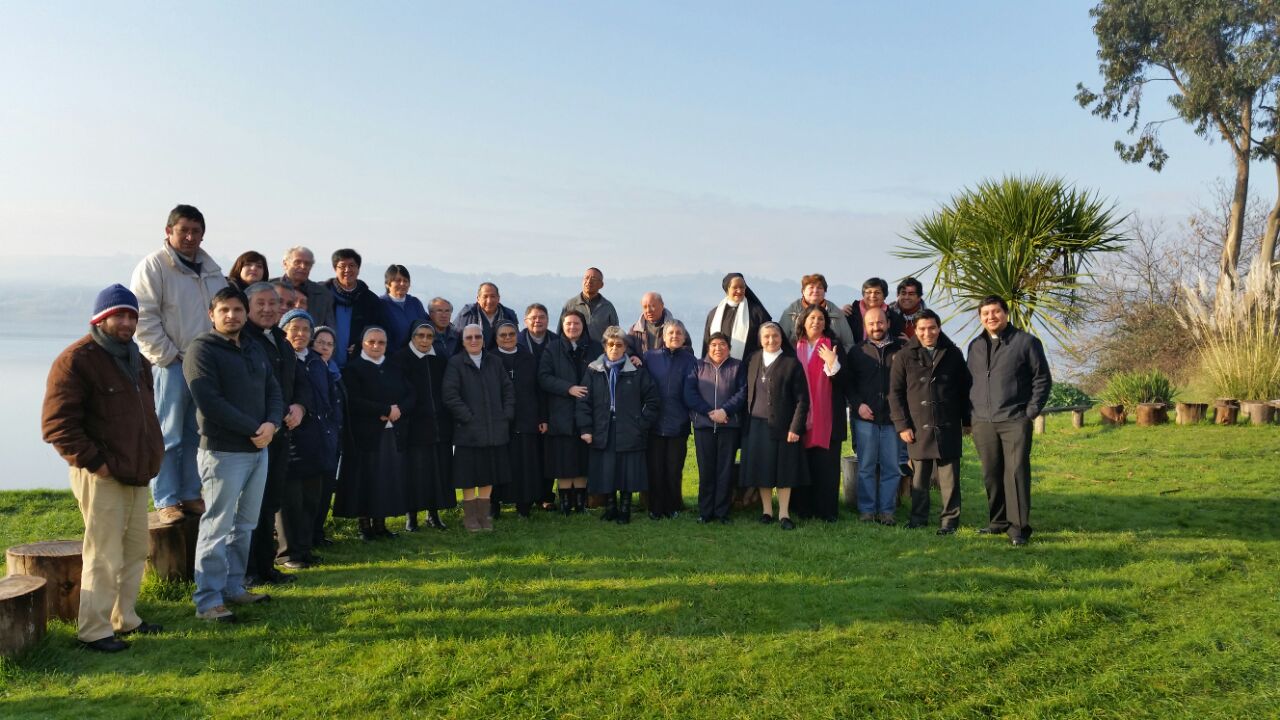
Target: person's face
908 298
185 236
287 297
652 307
347 272
398 286
615 349
592 281
299 300
506 337
374 344
718 351
252 273
298 267
814 324
737 290
927 332
423 337
536 322
488 299
814 294
473 341
571 327
120 326
994 318
323 345
673 337
228 316
873 297
440 314
875 324
264 309
770 339
298 333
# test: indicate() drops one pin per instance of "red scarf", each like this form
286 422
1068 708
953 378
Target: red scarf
818 425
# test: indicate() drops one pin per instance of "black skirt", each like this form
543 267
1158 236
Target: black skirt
771 463
427 485
566 457
610 471
527 484
372 482
480 466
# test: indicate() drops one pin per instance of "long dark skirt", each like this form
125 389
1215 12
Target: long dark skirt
610 471
772 463
665 461
372 483
427 487
480 466
527 484
566 457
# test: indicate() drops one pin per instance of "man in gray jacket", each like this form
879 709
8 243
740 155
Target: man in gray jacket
1011 383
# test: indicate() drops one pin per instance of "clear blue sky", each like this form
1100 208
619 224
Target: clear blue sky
771 138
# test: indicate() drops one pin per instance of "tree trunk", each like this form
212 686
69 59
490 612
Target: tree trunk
1268 248
59 563
1230 259
24 613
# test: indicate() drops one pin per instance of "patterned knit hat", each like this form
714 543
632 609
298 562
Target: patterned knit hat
112 300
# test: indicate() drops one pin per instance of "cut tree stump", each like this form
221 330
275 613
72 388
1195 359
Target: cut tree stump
59 563
1260 413
1226 412
1038 424
1112 414
849 481
171 549
1191 413
1150 414
1077 419
24 613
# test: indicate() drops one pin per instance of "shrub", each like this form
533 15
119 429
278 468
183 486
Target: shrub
1237 336
1067 395
1131 388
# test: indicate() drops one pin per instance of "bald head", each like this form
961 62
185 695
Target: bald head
653 307
875 323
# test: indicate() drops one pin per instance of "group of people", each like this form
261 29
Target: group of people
263 404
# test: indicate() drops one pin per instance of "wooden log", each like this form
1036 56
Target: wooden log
1226 412
59 563
24 613
1112 414
1077 419
1259 413
849 481
1191 413
171 549
1038 424
1150 414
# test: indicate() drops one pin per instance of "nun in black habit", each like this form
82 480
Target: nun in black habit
428 485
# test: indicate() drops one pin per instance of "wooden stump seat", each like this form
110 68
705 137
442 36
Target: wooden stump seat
171 549
1191 413
59 563
24 613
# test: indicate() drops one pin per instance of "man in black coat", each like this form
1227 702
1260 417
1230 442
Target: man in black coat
487 312
1011 383
876 439
929 399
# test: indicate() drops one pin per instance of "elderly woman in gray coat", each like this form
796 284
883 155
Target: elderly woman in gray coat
480 397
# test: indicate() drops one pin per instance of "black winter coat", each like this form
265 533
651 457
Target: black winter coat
636 406
284 363
870 381
315 443
788 394
531 404
366 310
371 391
930 397
481 399
561 368
423 425
1011 379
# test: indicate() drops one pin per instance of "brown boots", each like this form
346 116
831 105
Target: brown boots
475 515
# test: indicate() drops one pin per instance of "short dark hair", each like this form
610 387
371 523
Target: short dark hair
575 313
226 294
876 282
537 306
926 314
248 258
719 336
186 212
492 285
814 279
993 300
910 282
393 271
346 254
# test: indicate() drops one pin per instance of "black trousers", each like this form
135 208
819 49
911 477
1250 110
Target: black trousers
262 545
665 460
715 450
1005 451
295 523
948 474
820 498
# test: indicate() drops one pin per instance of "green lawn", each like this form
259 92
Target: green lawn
1150 589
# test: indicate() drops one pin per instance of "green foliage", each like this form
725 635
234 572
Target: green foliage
1142 386
1029 240
1067 395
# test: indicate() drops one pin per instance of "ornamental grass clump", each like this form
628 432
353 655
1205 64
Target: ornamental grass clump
1133 388
1237 335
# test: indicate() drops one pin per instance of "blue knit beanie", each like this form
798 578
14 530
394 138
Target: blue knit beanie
296 313
112 300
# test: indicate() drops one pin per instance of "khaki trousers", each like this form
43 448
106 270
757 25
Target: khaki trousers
114 554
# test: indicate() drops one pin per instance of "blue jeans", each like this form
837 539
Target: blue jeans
232 484
178 478
877 447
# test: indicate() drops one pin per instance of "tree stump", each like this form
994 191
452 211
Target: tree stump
59 563
1226 412
1112 414
24 613
1191 413
1077 419
1150 414
849 481
1260 413
1038 424
171 549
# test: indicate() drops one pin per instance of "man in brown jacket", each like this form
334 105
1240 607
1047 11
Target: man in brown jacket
99 414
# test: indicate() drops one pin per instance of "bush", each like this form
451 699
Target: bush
1067 395
1238 337
1130 389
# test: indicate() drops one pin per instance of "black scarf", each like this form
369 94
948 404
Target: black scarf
126 355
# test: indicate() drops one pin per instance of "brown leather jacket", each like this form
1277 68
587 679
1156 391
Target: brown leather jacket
94 415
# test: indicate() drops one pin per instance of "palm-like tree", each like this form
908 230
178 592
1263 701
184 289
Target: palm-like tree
1028 240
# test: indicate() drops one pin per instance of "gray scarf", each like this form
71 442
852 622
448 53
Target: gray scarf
126 355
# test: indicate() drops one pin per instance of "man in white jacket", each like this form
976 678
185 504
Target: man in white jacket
174 286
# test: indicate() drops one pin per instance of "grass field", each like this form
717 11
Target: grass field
1150 589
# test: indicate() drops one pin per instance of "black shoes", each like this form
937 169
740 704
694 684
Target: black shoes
946 531
654 516
145 628
579 500
1018 541
610 509
434 521
624 508
109 644
989 530
786 524
913 525
766 518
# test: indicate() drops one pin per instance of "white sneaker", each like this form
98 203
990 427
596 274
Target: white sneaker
217 613
248 598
